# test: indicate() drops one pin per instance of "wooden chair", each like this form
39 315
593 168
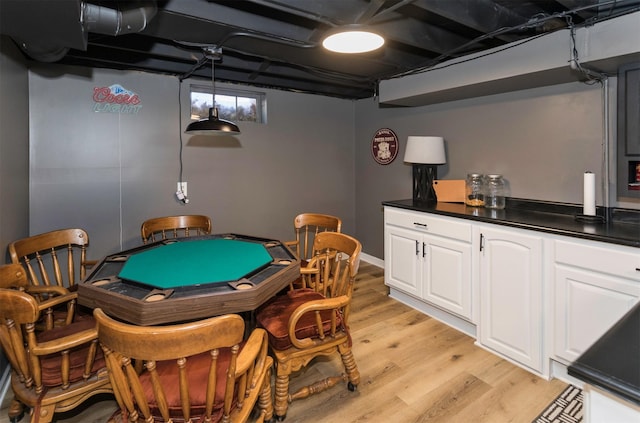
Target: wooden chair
307 226
55 259
306 323
53 370
174 226
45 255
13 276
201 370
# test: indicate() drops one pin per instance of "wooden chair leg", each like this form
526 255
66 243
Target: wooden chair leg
16 411
282 391
265 403
350 366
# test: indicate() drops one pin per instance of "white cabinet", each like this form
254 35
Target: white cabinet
510 266
534 298
402 265
446 274
602 406
429 258
595 284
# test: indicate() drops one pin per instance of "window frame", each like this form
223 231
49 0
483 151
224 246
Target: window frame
258 97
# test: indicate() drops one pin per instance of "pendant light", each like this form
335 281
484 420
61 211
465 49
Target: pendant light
212 125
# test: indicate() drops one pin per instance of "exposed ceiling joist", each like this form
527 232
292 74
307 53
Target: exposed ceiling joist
276 43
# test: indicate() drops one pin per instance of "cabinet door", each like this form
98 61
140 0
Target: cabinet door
628 129
511 295
629 109
587 304
447 274
401 267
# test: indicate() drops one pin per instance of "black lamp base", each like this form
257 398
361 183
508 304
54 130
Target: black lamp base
423 177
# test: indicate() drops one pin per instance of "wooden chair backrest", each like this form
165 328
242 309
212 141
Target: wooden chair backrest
337 259
45 255
125 345
19 312
307 226
165 227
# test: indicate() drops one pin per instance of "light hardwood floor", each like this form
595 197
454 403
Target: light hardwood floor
413 369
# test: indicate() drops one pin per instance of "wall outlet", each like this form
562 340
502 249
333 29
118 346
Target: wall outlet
182 186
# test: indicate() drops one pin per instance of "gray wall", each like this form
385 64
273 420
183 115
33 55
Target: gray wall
14 155
14 145
542 140
108 172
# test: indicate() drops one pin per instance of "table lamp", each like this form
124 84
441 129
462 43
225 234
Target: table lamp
424 153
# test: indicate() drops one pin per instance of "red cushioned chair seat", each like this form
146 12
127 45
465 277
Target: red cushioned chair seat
198 373
274 317
50 364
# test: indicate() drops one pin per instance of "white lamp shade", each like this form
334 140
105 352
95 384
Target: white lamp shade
426 150
352 39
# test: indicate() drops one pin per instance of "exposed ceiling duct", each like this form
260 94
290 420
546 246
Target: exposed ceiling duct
47 30
105 20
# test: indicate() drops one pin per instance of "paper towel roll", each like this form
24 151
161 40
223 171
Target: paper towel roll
589 194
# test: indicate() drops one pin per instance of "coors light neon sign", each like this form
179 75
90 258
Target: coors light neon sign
115 99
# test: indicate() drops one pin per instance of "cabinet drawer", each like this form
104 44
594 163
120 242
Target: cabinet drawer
428 223
611 259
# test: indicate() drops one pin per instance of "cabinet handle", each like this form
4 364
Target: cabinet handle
417 247
481 242
637 269
424 249
423 225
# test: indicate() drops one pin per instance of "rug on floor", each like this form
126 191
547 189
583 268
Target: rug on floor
566 408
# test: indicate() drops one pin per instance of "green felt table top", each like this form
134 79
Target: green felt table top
187 263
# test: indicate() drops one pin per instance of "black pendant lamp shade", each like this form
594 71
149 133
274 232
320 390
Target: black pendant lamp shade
212 126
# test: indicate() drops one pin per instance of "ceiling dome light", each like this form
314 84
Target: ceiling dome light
352 39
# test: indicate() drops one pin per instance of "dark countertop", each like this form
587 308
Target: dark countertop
620 226
613 362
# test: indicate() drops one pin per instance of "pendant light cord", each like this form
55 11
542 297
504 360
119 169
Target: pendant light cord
213 53
213 83
180 126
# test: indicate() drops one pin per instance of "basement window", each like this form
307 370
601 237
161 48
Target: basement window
233 105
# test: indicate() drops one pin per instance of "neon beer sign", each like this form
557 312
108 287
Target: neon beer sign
115 99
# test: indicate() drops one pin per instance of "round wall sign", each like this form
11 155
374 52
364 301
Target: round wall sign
384 146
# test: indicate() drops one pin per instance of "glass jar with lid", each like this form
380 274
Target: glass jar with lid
494 192
474 190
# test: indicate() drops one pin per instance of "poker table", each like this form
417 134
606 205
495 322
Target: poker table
189 278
